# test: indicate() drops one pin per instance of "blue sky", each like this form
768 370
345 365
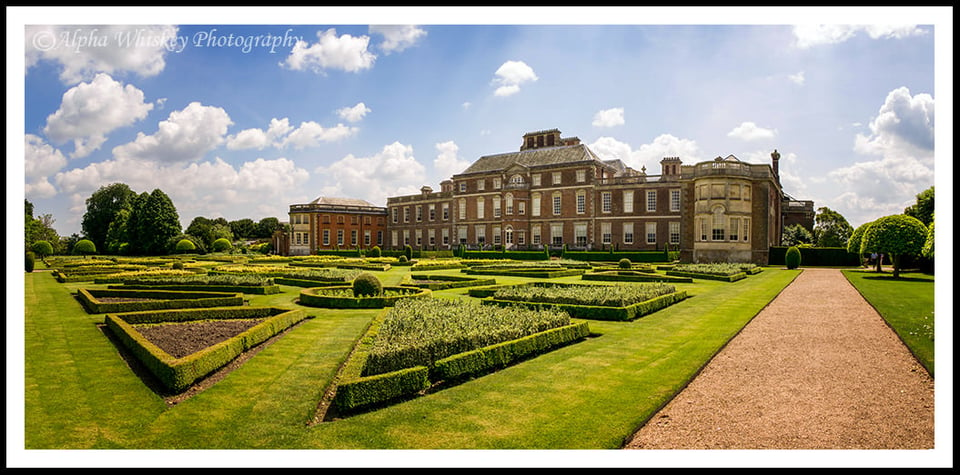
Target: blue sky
229 126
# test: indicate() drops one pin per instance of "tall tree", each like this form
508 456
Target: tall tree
923 208
897 235
117 233
267 226
796 235
243 228
135 224
158 223
831 229
102 207
38 228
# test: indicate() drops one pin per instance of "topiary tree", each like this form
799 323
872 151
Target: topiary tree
408 251
42 249
792 257
221 245
367 285
29 261
185 246
85 247
402 258
625 263
178 265
896 236
855 240
375 251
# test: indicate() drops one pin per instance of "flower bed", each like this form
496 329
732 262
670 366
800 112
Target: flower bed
122 300
592 302
724 272
440 281
633 276
341 296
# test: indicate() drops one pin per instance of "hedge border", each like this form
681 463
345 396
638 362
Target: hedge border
697 275
313 300
453 282
163 300
622 276
246 289
595 312
178 374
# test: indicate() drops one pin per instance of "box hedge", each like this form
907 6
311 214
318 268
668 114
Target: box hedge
158 300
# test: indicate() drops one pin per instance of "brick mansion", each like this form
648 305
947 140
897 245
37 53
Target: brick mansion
555 191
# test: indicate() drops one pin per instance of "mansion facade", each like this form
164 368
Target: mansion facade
555 191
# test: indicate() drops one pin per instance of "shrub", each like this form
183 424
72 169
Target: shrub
185 245
402 259
625 263
408 252
178 265
375 251
367 285
792 257
29 261
42 249
85 247
222 244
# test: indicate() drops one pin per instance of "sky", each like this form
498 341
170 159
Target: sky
239 113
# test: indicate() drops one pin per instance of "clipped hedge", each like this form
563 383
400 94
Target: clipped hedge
368 391
634 276
159 300
448 281
697 275
817 256
531 272
634 256
246 289
178 374
592 312
313 297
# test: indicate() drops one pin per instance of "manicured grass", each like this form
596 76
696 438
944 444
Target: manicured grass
907 305
590 395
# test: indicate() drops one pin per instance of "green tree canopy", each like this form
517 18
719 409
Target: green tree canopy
243 228
927 250
42 248
267 226
102 208
831 228
39 228
923 208
897 236
85 247
796 235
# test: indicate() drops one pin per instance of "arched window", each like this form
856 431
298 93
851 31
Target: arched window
508 235
719 222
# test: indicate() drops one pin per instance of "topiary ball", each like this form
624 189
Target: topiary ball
625 263
792 257
178 265
402 259
367 285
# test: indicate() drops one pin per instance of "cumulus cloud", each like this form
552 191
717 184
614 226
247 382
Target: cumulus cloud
311 134
647 155
448 162
797 78
260 139
750 131
186 135
608 118
40 158
807 36
394 171
904 125
397 38
82 51
355 113
346 52
89 111
510 75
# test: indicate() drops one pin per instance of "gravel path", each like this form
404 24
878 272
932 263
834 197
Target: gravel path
817 369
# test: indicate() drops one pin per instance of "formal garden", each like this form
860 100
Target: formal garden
231 351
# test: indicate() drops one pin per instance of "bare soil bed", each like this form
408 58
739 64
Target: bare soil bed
182 339
818 368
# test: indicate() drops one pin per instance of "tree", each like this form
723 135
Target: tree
831 229
135 224
243 228
267 226
85 247
102 208
157 222
117 233
927 250
923 209
897 236
42 249
795 235
39 228
854 243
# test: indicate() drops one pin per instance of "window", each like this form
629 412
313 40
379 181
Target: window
581 202
463 187
393 239
674 233
516 180
521 207
339 237
607 201
674 200
406 237
297 238
445 235
627 201
718 223
606 232
353 237
716 191
496 183
535 233
746 228
556 203
496 235
462 234
463 208
703 228
432 212
366 238
418 234
395 215
580 234
339 219
419 213
379 238
481 185
326 237
746 192
496 206
535 204
326 219
556 178
521 238
445 213
651 201
481 232
354 220
734 229
556 233
734 192
581 176
652 233
628 233
508 203
536 179
479 208
406 214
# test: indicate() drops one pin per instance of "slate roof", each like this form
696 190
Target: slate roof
535 157
325 200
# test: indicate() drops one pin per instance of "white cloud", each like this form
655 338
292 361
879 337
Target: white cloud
393 171
397 38
353 114
346 52
89 111
186 135
40 158
448 163
39 189
750 131
311 134
807 36
510 75
260 139
608 118
797 78
647 155
83 51
904 125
